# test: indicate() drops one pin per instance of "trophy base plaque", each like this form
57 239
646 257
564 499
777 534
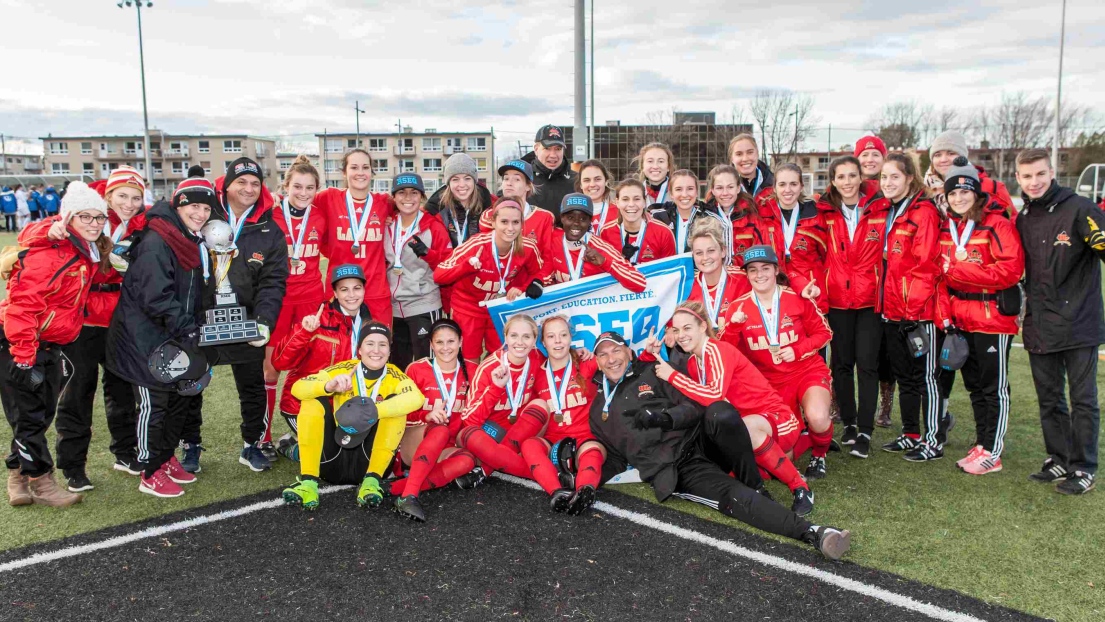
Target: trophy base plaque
228 325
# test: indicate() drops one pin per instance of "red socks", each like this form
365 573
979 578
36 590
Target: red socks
440 474
542 471
425 457
771 459
819 442
495 456
270 408
589 469
529 424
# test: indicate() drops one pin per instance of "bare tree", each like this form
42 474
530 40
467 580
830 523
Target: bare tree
901 125
785 119
660 128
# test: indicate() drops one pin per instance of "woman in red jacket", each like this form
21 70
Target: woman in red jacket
782 334
501 411
323 338
716 370
305 231
43 311
854 218
630 234
982 255
682 210
736 210
797 234
578 254
594 181
565 383
355 219
909 308
499 263
716 284
431 432
871 153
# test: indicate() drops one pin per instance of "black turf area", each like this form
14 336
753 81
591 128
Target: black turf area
493 553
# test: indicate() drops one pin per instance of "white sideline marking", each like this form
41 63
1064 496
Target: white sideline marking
152 532
905 602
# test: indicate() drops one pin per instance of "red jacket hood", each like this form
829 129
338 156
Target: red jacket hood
265 202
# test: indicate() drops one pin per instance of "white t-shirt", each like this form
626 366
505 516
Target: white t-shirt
21 200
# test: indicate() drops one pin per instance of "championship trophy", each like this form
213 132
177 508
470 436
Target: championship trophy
226 322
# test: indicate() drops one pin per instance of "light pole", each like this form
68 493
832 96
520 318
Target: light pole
357 112
142 65
1059 91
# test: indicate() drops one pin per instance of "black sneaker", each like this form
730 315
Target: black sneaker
561 499
1077 483
924 453
900 444
128 466
252 457
583 499
1050 473
832 542
834 446
471 479
849 436
268 450
410 507
862 447
191 460
288 448
816 469
803 502
78 481
764 492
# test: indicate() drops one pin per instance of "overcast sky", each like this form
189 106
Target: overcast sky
294 67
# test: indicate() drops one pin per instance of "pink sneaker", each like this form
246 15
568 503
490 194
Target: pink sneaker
970 457
159 485
177 473
986 463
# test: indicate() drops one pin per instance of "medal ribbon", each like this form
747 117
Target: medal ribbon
514 393
575 270
118 232
558 393
770 318
362 388
354 336
297 239
851 219
608 393
237 223
960 241
640 239
662 194
682 228
596 226
449 397
894 213
790 228
357 228
713 303
402 236
499 265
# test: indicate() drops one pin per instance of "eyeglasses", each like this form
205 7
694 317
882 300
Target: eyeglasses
87 219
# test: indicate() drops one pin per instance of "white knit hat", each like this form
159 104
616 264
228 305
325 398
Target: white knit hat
80 198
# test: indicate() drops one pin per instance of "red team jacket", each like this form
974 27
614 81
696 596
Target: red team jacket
801 326
421 372
806 260
854 265
476 286
909 285
556 264
574 422
538 226
305 282
995 261
598 222
331 202
736 285
301 353
488 402
659 241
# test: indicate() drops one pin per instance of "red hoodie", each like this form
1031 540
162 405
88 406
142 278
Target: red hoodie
854 264
556 264
909 285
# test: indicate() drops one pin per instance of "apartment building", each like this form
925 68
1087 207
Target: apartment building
408 152
171 156
19 164
284 161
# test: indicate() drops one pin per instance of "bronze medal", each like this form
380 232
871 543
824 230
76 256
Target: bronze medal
558 417
512 417
605 414
961 254
296 262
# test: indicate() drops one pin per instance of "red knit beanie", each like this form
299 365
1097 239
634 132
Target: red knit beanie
870 142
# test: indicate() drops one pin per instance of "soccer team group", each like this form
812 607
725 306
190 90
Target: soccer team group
398 382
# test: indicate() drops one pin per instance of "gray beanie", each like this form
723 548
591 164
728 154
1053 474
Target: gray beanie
950 141
460 164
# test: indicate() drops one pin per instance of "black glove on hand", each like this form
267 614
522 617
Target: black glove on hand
648 418
629 250
418 246
907 327
535 290
29 376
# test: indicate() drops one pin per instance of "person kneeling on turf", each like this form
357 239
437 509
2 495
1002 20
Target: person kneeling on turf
683 450
351 418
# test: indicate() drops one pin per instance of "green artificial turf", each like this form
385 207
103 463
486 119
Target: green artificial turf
998 538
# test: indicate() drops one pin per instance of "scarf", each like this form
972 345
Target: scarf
935 185
187 251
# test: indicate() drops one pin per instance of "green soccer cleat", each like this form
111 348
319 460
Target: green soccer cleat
304 493
371 493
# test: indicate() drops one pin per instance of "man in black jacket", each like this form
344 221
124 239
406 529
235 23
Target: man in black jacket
258 275
684 451
1064 322
553 176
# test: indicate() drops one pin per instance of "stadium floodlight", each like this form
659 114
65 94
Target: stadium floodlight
148 172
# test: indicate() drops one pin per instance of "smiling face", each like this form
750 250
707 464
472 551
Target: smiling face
125 202
576 224
613 359
462 186
88 224
515 185
593 183
762 276
349 294
1035 177
508 223
194 215
374 351
301 190
689 332
871 160
788 188
408 200
243 192
655 165
519 341
358 172
631 204
745 158
725 190
551 157
709 258
846 180
684 191
557 339
942 161
446 346
961 201
894 183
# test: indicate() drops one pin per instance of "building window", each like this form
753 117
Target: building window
205 146
86 148
477 144
232 146
377 144
157 168
381 185
406 145
431 144
178 168
822 163
334 145
351 143
88 168
103 169
333 183
226 164
332 166
379 165
431 185
431 165
130 148
481 164
178 148
285 165
406 166
452 145
59 168
57 148
206 167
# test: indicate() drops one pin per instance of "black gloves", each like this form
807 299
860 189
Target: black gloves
535 290
648 418
629 250
418 246
29 376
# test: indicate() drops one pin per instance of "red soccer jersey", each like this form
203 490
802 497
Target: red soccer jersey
801 327
332 203
658 241
736 285
573 421
613 263
488 402
605 213
421 372
476 285
307 237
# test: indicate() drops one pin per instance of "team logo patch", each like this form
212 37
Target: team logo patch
422 331
258 257
975 256
374 219
313 236
872 235
740 249
897 250
1063 238
554 132
801 245
786 321
246 167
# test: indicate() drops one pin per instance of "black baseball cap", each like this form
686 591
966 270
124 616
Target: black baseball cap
355 419
347 271
761 253
408 180
577 202
550 135
610 336
521 166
